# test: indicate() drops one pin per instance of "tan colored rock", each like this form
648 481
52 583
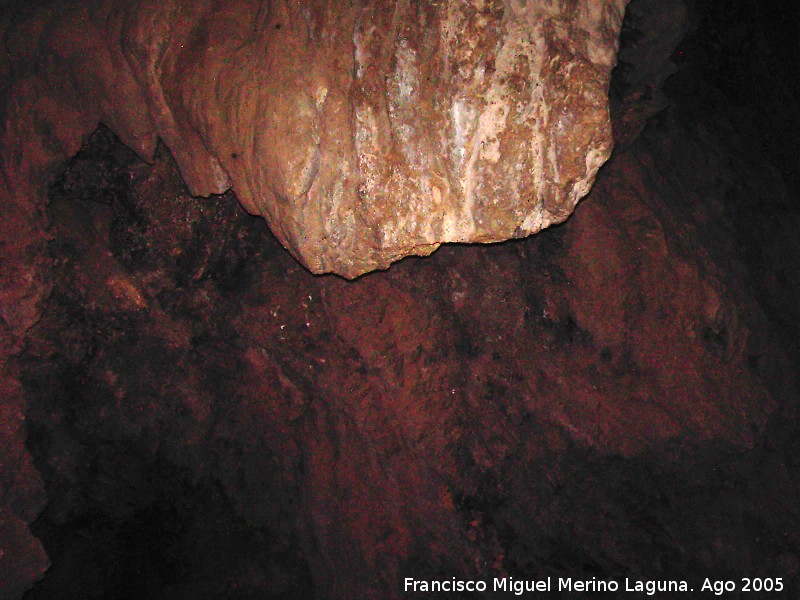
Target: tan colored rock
362 133
395 127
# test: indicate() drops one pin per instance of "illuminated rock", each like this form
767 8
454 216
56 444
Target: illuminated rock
362 133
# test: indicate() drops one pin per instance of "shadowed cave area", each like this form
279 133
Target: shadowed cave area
614 397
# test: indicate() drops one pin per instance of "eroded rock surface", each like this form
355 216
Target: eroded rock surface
362 132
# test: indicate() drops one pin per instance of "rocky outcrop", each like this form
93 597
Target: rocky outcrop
362 133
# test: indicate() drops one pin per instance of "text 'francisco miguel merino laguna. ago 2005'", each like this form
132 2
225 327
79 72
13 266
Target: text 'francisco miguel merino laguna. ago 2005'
549 584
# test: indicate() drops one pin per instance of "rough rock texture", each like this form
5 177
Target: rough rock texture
22 557
590 402
616 397
363 132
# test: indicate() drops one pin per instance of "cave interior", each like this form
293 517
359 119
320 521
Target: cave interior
614 397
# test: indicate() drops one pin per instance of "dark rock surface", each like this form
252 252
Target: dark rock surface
614 397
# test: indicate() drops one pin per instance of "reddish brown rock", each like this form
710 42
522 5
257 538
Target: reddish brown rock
427 421
212 420
362 133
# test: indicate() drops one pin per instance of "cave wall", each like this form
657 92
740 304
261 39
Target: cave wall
612 397
311 113
461 415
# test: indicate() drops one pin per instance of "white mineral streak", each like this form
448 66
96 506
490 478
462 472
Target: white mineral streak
462 118
459 225
407 74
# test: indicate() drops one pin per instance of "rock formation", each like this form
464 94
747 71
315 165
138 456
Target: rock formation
189 412
362 133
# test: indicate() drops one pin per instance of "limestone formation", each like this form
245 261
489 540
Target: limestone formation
362 132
